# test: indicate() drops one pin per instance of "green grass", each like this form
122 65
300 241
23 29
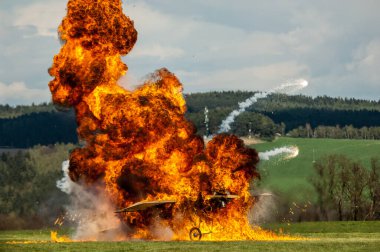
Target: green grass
292 176
323 236
322 227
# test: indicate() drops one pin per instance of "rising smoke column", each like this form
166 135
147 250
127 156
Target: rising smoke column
138 145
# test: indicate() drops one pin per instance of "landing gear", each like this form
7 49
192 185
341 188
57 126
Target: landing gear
195 234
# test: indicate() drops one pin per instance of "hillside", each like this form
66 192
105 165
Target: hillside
292 176
285 112
7 111
25 126
38 128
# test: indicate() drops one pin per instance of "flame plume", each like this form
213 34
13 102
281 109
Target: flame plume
138 145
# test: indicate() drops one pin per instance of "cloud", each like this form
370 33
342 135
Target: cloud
158 51
359 77
217 44
366 61
19 93
216 55
261 78
45 16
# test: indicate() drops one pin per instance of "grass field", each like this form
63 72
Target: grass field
292 176
323 236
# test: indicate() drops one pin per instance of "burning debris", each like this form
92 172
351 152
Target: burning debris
139 146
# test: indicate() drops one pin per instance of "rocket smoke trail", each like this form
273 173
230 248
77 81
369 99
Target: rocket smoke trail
289 152
288 87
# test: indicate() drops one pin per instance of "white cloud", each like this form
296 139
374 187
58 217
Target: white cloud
217 56
261 78
19 93
157 51
216 44
44 16
366 62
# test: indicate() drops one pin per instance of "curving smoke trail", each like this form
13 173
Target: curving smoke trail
226 123
291 86
289 152
288 87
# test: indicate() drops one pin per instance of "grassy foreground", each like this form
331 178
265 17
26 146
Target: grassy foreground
324 236
292 176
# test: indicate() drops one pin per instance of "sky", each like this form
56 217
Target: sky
211 45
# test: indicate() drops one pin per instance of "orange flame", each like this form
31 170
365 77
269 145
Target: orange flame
55 238
139 145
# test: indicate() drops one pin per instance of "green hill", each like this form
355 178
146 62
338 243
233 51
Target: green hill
292 176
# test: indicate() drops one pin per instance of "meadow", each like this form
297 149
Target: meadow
321 236
288 176
292 176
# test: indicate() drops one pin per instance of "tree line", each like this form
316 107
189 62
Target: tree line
336 132
29 197
279 102
256 123
7 111
346 189
196 102
26 126
294 118
276 102
38 128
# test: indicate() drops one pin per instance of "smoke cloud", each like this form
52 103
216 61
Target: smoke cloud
264 210
90 210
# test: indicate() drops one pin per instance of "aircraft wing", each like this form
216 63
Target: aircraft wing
143 205
219 196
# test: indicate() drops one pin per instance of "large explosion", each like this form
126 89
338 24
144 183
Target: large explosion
138 146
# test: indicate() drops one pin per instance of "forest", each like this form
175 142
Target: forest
46 134
346 189
42 128
29 197
277 114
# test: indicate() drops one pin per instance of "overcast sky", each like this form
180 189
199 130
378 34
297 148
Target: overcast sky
211 45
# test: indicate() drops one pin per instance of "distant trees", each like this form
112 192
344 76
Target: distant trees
259 124
374 188
220 105
196 102
38 128
296 117
7 111
293 111
298 112
283 102
346 190
346 132
28 193
299 116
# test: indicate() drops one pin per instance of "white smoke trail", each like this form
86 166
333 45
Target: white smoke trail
65 184
225 126
289 152
288 87
291 86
